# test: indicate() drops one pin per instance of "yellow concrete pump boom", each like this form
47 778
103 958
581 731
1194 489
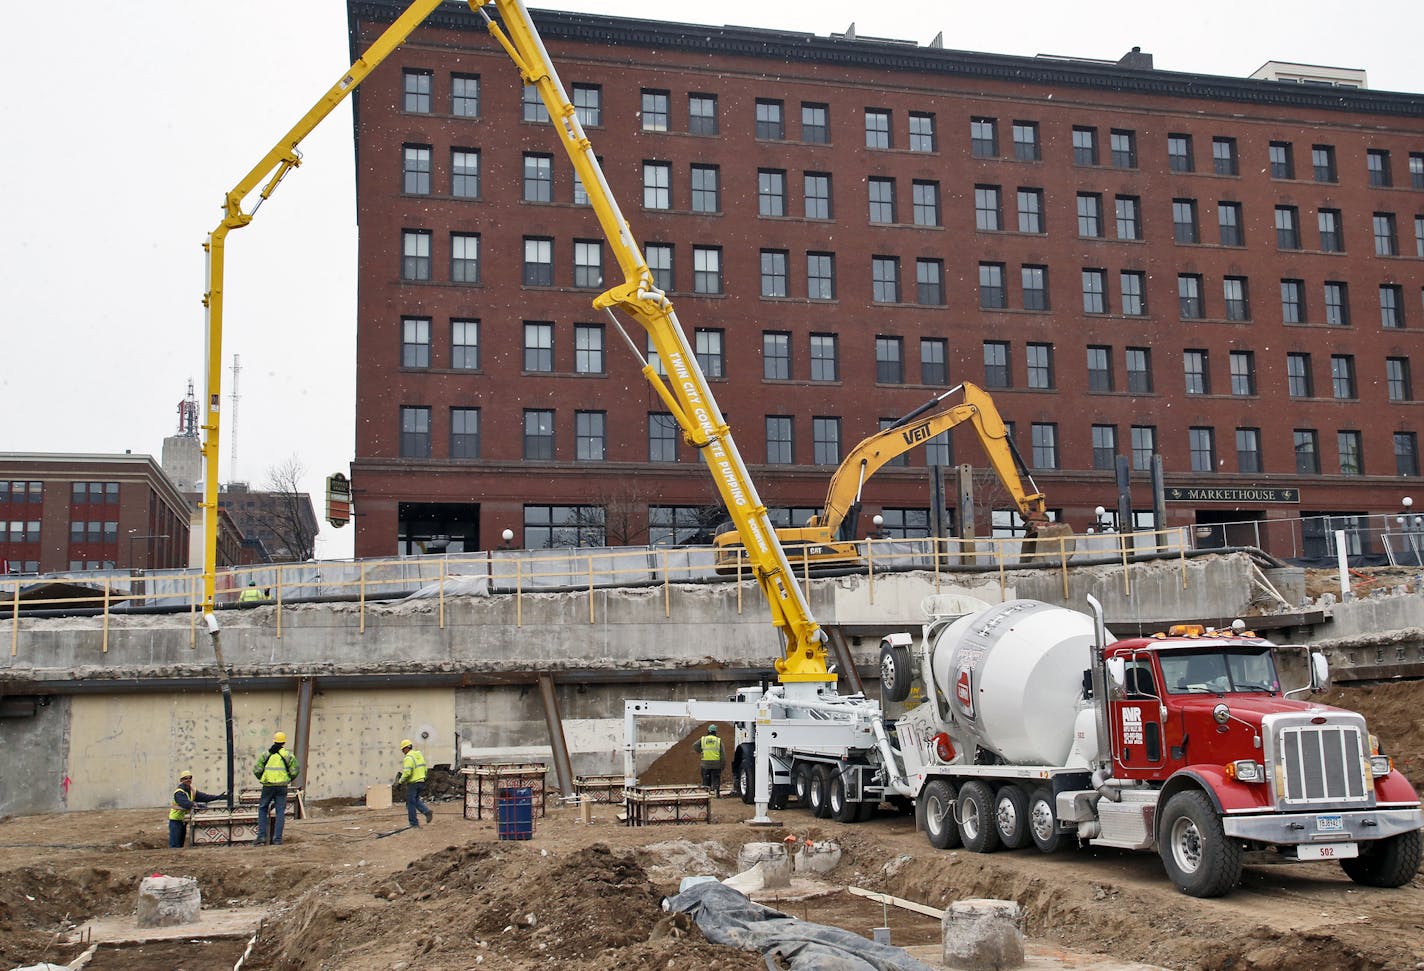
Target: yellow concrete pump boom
684 391
271 170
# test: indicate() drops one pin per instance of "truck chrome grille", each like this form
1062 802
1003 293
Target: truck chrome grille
1323 764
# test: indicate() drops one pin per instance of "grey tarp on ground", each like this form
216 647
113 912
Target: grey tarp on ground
727 916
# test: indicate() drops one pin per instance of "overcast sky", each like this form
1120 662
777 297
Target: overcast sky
128 122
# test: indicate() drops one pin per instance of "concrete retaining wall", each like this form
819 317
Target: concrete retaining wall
119 724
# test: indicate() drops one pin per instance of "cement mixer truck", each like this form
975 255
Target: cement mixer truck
1031 724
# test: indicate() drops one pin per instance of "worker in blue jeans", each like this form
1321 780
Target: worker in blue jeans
180 808
275 769
413 775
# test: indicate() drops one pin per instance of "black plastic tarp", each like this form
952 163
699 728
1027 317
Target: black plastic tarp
727 916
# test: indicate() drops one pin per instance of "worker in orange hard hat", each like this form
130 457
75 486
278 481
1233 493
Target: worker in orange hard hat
412 773
275 769
180 807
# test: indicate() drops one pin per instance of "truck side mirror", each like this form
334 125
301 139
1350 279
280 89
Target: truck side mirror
1319 672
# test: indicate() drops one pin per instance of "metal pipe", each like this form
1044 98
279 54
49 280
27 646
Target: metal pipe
563 767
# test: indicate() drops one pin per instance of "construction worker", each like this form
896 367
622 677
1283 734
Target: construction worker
180 808
275 769
412 773
709 746
250 594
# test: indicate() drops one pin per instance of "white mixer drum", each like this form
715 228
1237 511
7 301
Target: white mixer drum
1012 676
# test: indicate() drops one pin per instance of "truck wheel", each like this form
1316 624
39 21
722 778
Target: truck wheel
976 818
1195 852
842 809
745 779
895 673
1011 817
820 791
1386 863
801 782
1043 821
937 799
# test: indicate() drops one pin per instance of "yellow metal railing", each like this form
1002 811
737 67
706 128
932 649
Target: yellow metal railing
519 574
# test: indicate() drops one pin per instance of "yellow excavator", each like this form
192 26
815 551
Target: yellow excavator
829 537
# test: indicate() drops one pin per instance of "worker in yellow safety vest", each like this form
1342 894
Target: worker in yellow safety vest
180 808
250 594
412 773
709 746
275 769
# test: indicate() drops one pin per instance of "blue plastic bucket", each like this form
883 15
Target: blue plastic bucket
514 813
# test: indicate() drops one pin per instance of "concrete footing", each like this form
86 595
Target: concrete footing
166 901
984 935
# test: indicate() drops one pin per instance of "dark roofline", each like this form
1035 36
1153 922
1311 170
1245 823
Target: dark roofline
895 56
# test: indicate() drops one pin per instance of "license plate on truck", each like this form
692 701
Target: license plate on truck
1327 851
1330 823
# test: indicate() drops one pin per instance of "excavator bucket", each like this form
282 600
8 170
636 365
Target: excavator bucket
1050 541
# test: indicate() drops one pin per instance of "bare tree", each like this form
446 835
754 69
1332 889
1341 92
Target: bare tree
287 513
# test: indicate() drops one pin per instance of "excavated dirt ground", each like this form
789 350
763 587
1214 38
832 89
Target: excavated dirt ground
340 895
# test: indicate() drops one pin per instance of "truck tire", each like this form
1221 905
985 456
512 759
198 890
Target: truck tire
842 809
895 673
1388 862
977 830
819 794
744 779
941 827
1194 848
1043 821
744 774
1011 816
868 809
801 782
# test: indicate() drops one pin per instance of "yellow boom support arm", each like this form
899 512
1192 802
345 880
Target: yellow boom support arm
684 391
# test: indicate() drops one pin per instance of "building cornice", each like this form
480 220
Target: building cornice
896 57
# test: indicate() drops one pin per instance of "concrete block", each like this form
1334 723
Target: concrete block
378 797
984 935
774 860
168 901
818 857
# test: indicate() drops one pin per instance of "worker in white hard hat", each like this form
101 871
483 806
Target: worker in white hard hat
709 747
412 773
275 768
180 807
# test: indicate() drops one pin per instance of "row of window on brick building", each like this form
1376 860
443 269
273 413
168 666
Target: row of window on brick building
881 130
704 196
20 534
1040 373
590 434
887 284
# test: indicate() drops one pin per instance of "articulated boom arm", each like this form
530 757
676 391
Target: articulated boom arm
273 168
684 391
866 459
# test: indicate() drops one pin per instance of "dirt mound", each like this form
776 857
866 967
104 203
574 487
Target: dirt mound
1394 712
506 904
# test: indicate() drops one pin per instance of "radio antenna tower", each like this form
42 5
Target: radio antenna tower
235 397
188 414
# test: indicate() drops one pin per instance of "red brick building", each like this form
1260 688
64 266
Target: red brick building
66 513
1226 272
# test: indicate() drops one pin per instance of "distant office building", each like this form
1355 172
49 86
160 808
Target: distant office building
66 512
1225 272
278 527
